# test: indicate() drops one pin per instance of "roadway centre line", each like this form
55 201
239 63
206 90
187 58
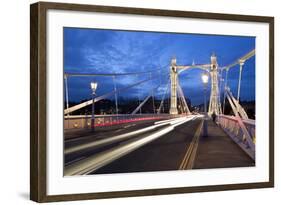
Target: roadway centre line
117 138
189 157
95 162
118 130
127 126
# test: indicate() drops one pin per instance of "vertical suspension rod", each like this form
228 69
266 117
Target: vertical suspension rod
66 97
152 95
241 63
66 91
139 95
225 86
115 94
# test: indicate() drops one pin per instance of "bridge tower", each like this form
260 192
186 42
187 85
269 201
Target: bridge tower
174 84
214 103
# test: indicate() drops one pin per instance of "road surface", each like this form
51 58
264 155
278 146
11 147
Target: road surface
151 146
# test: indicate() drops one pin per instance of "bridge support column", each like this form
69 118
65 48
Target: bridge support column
241 63
174 84
214 104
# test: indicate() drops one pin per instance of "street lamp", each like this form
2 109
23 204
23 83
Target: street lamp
94 86
205 79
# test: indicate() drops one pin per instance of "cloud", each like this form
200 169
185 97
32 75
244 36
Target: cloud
108 51
125 53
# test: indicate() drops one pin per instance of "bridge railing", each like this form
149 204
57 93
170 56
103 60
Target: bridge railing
231 126
84 121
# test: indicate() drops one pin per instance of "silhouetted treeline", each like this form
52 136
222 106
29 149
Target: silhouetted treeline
125 106
249 107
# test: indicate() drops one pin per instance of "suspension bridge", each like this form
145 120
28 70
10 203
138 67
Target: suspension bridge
176 138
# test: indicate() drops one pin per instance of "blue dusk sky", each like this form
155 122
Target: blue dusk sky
112 51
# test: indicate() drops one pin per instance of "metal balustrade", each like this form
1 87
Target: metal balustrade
230 125
84 121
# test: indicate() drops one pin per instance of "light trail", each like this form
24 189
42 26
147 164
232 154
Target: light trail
95 162
111 140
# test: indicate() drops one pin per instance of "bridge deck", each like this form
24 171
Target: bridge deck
182 148
163 154
219 150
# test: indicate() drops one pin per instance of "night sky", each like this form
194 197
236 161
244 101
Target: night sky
108 51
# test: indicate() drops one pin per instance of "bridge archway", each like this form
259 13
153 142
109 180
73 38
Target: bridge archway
212 69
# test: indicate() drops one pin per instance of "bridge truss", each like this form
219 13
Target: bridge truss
177 99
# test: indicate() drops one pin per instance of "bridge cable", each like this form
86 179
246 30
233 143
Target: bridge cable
239 80
238 108
183 98
161 103
180 98
145 100
115 95
181 105
225 86
243 58
152 95
67 98
107 74
139 94
66 91
89 102
163 98
246 133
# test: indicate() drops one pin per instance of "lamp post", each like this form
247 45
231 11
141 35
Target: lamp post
94 86
205 79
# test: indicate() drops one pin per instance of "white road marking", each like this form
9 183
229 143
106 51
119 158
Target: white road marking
127 126
119 130
189 157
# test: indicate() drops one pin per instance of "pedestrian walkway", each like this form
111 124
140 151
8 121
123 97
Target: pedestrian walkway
219 151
